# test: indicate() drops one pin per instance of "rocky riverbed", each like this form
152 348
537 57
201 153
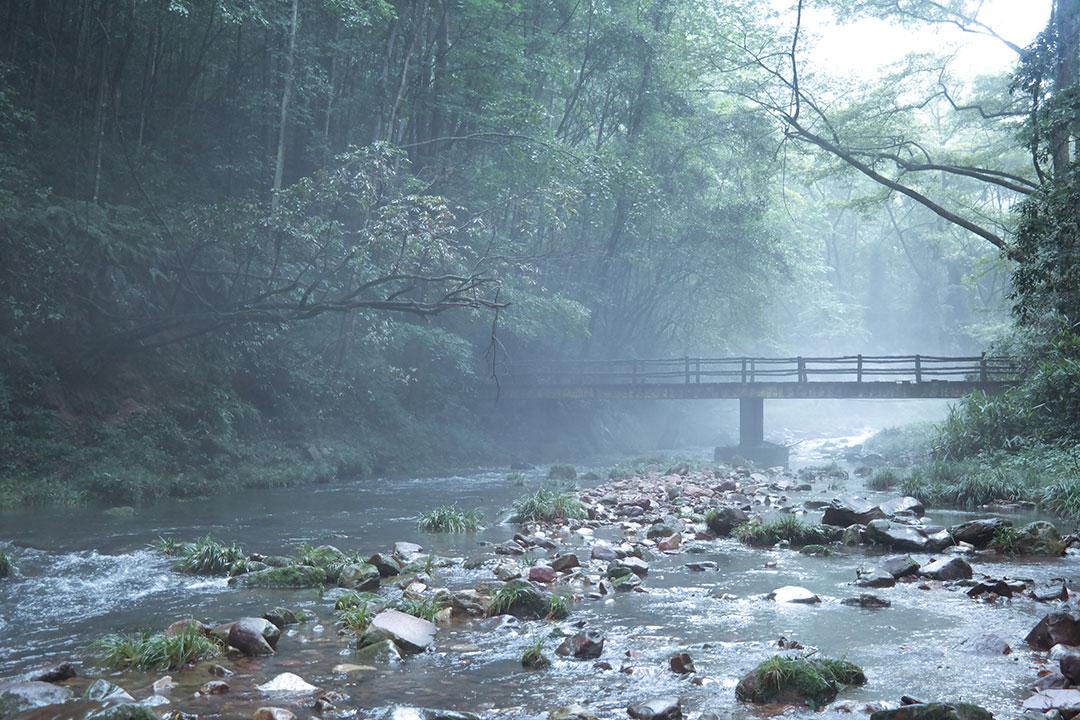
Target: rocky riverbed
662 600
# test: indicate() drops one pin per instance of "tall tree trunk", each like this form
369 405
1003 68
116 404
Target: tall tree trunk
286 99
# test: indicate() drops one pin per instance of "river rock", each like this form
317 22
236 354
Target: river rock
567 561
361 577
399 712
293 577
273 713
30 694
682 663
412 634
53 673
407 552
1040 538
866 600
665 528
702 565
934 711
899 566
947 569
635 564
214 687
986 644
902 505
287 684
723 520
107 693
604 553
662 708
793 594
670 544
978 533
1050 591
621 578
571 712
542 574
1066 701
1069 665
386 566
254 636
381 652
1055 628
842 513
907 537
129 711
586 645
875 578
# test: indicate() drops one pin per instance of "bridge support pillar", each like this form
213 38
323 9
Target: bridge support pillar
751 422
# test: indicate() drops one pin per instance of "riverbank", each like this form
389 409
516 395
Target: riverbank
652 577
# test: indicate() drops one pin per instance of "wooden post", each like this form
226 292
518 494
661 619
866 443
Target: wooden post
697 370
751 369
982 368
633 372
744 371
687 361
918 368
858 371
802 369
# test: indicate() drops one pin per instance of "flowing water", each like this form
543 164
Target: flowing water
83 574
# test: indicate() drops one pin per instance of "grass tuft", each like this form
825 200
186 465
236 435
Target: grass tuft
546 505
425 608
883 479
155 651
534 657
356 618
792 530
208 556
449 519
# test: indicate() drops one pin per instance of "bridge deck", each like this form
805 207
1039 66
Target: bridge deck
857 376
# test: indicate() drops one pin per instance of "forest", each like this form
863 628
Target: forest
358 359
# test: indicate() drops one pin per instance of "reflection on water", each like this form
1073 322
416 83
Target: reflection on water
89 574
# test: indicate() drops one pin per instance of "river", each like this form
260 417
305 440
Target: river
85 573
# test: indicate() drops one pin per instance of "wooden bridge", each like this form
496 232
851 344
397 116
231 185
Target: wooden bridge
753 379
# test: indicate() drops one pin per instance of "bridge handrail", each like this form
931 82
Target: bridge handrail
750 369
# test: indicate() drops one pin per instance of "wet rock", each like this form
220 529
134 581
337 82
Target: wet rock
163 685
1055 628
702 566
1039 538
1004 588
361 577
126 712
899 566
1066 701
1070 667
407 552
793 594
571 712
843 513
382 652
682 663
853 535
219 670
107 693
509 548
622 578
565 562
385 565
273 713
411 634
934 711
671 543
875 578
415 713
662 708
30 694
287 684
282 617
507 570
947 569
866 600
815 551
665 528
183 625
635 564
214 687
797 681
1051 681
986 644
605 553
290 577
542 574
978 533
907 537
526 601
53 673
723 520
254 636
1051 591
902 505
586 645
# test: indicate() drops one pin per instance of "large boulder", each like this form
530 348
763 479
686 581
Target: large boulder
1065 701
254 636
1056 628
411 634
978 533
900 505
723 520
1039 538
953 568
798 681
907 537
288 577
875 578
30 694
843 513
934 711
899 566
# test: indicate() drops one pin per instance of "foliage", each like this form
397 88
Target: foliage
155 651
534 657
558 608
207 556
547 505
426 607
354 599
522 598
356 618
562 473
7 564
1008 540
787 529
903 443
816 681
883 479
449 519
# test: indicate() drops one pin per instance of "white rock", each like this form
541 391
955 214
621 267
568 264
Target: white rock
794 594
287 683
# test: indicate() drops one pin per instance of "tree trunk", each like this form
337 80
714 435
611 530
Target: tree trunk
286 98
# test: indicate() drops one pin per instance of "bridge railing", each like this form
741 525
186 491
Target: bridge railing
847 368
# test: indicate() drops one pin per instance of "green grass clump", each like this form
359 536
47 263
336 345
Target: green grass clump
832 471
169 546
883 479
516 479
562 472
449 519
422 607
353 599
208 556
356 618
558 608
792 530
816 682
1009 540
546 505
155 651
1062 497
534 657
323 556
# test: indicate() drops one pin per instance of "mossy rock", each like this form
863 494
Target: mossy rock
815 550
383 652
521 599
934 711
793 680
290 577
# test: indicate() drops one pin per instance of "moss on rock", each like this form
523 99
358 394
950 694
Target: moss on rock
291 576
798 680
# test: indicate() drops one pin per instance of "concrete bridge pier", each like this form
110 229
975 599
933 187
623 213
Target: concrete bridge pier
752 445
751 421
